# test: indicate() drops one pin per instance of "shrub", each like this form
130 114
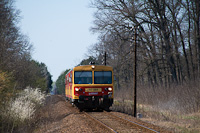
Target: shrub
25 104
22 108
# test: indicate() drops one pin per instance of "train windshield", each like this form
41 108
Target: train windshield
103 77
83 77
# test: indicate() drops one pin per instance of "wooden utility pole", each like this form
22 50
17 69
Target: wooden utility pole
105 58
135 73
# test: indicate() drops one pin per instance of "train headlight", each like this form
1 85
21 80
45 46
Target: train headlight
110 89
76 89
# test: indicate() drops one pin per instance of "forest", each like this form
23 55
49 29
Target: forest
167 38
17 68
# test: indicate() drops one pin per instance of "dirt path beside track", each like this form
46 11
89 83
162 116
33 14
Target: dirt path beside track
59 116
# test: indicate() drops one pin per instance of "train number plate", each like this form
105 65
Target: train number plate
93 89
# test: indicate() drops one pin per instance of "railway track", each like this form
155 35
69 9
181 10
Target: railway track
117 124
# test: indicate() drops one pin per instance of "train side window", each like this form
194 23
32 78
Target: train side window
70 79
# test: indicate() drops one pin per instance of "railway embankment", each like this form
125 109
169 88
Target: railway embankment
57 115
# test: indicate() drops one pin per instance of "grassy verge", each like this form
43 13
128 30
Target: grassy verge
176 121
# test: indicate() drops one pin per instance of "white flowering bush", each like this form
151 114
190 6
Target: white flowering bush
20 110
33 95
24 105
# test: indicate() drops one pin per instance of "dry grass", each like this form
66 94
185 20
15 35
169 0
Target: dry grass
177 107
164 118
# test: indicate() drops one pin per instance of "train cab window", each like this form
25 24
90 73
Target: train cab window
103 77
83 77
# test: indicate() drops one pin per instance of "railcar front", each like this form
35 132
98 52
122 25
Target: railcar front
90 86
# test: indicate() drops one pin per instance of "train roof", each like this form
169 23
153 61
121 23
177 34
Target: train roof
93 67
89 68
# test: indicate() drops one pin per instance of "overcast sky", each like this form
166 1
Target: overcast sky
58 30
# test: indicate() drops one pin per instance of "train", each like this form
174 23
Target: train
90 87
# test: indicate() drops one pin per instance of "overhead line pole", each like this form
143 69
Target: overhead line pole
135 73
105 58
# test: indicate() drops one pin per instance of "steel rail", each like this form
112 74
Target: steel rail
101 123
147 128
